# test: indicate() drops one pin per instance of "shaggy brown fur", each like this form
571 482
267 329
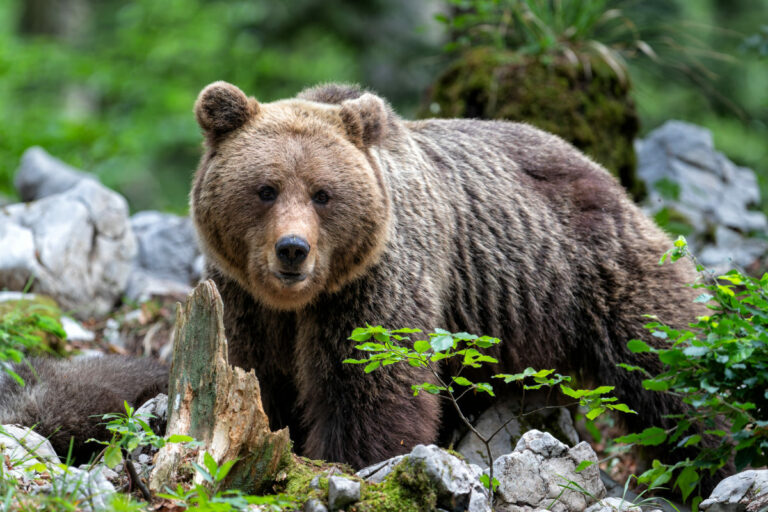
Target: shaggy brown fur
66 399
487 227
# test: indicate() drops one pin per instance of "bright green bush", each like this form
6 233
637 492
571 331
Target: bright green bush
719 366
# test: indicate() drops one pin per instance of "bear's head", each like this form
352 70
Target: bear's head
288 199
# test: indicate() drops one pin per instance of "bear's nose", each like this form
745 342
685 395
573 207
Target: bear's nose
292 250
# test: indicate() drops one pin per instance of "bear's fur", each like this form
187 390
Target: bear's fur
65 399
487 227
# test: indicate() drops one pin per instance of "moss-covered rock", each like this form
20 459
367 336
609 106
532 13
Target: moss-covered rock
591 108
408 487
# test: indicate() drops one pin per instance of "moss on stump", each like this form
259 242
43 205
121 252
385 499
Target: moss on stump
590 108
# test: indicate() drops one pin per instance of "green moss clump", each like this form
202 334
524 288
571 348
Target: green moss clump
407 488
33 323
590 108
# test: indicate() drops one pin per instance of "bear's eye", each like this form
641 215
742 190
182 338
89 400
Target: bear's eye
321 197
267 193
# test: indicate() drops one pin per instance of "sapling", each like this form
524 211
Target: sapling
395 346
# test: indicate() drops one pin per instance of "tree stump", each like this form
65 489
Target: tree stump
215 403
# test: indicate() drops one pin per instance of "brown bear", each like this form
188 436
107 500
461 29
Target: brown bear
325 212
65 399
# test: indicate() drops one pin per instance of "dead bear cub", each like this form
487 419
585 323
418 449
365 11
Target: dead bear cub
321 213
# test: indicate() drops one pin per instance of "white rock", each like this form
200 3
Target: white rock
506 439
314 505
21 448
613 505
736 492
536 474
713 193
168 255
376 473
41 175
342 492
77 244
75 331
94 491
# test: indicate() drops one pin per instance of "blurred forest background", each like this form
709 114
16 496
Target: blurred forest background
108 85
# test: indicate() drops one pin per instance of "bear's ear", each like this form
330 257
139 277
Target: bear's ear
221 107
366 119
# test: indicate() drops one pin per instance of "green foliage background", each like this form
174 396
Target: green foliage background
115 98
114 95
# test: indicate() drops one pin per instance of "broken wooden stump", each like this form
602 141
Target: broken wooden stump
215 403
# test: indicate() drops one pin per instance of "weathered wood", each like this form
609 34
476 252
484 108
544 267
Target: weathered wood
216 403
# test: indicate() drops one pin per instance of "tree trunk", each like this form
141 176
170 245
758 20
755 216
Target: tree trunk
215 403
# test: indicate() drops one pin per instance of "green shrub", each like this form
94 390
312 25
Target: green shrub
719 366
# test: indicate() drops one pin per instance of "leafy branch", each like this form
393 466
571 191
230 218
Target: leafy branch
386 347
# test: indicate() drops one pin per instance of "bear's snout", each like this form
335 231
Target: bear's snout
292 250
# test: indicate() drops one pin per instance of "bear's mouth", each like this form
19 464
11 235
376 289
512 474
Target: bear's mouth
290 277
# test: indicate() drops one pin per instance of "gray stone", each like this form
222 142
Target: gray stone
75 331
314 505
541 443
21 448
342 492
92 488
78 245
489 421
737 492
41 175
453 478
713 193
155 413
613 505
155 408
168 254
500 413
456 482
538 472
376 473
143 285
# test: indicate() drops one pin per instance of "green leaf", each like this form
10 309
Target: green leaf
441 343
371 366
113 456
632 368
703 298
584 465
360 334
652 436
462 381
600 390
485 480
421 346
687 481
210 463
203 472
655 385
638 346
694 351
179 438
622 407
573 393
485 387
594 413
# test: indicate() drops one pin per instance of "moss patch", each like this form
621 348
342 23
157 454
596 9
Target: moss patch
590 108
406 488
19 314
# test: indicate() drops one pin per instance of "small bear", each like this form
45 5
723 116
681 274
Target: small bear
325 212
65 399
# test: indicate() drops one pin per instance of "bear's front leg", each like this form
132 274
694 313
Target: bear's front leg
354 417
